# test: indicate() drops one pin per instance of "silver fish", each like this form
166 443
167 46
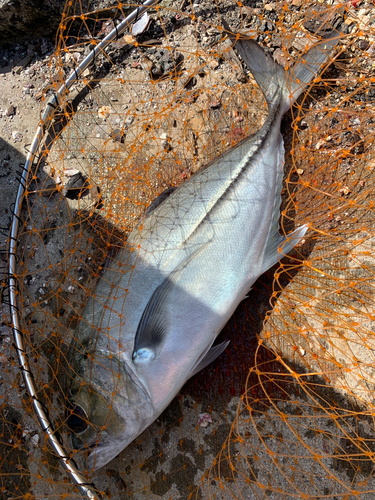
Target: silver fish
182 274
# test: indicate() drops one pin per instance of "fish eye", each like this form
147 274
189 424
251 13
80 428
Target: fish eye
76 418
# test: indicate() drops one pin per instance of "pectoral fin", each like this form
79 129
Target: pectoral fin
153 326
211 355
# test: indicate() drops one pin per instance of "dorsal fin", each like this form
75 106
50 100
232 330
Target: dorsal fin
278 246
159 200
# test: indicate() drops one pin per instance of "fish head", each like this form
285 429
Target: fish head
108 406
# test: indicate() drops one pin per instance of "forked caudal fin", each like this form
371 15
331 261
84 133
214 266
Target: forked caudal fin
270 76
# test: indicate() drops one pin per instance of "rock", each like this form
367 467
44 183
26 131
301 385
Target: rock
104 112
49 188
215 104
96 197
35 439
17 136
165 62
270 6
140 26
11 110
76 187
303 42
204 419
363 44
279 57
27 20
117 135
121 485
69 172
319 17
353 141
20 20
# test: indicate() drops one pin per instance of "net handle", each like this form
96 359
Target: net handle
87 490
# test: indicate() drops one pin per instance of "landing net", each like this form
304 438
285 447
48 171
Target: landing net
287 411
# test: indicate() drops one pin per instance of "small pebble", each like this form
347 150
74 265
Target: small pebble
215 104
117 135
140 26
241 77
363 44
270 7
344 190
104 112
213 64
11 110
49 188
320 143
70 172
120 484
35 439
17 136
204 419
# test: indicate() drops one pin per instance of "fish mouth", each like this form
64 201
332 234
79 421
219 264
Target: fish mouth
94 444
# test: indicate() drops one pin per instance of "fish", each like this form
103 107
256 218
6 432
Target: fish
156 311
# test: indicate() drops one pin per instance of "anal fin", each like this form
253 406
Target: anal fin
211 355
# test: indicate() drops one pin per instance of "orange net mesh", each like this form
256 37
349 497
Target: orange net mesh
287 411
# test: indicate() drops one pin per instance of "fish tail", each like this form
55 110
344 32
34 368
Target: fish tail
271 76
310 64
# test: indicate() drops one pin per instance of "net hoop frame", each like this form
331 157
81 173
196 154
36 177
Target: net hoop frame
87 490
